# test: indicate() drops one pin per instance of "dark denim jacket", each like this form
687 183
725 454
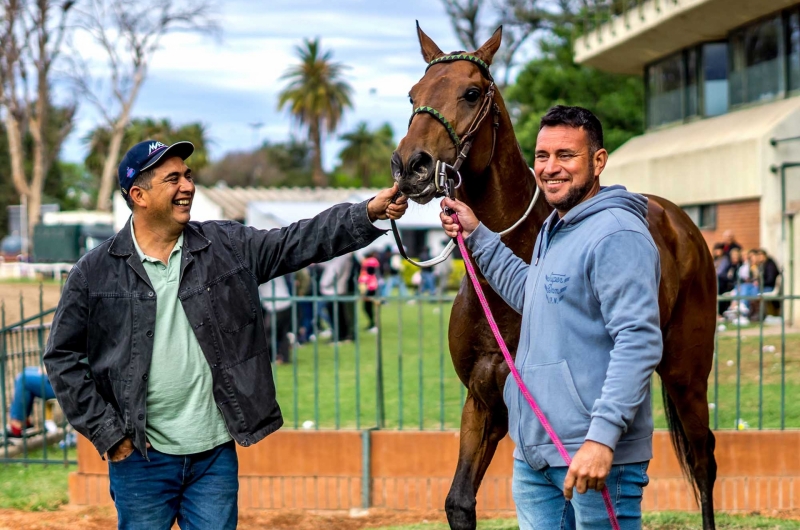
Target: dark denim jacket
101 341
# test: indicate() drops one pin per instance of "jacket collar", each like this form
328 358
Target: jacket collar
122 245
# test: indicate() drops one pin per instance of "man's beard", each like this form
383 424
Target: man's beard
575 194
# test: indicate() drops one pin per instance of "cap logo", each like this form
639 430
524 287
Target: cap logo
155 146
130 173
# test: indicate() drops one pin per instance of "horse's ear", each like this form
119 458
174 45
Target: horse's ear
490 47
429 49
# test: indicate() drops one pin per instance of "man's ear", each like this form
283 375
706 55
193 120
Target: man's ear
137 196
600 160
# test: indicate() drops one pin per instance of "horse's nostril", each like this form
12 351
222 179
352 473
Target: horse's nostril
420 163
397 166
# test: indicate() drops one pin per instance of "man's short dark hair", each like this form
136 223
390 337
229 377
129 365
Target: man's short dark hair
142 181
576 117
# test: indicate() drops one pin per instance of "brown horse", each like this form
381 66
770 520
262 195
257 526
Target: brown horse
450 103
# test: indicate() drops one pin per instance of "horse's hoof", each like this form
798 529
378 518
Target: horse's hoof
459 517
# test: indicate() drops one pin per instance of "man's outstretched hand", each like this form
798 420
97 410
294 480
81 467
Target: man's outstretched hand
466 218
382 207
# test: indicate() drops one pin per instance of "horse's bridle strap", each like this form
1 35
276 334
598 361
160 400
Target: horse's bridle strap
438 115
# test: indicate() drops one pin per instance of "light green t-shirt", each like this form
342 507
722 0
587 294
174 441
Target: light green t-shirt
182 417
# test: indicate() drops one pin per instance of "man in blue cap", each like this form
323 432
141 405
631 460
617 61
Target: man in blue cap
157 352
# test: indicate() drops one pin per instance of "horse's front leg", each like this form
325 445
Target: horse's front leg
483 424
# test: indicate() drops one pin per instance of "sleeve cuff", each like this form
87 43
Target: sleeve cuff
366 229
109 434
604 432
480 238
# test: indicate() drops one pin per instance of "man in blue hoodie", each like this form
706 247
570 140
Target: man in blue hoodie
590 337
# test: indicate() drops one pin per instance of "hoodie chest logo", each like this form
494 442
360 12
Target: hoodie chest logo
555 287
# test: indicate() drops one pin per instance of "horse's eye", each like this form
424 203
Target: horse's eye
411 100
472 95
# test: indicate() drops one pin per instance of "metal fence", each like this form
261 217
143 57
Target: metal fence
45 436
396 372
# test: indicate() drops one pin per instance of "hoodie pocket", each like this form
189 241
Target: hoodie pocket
552 387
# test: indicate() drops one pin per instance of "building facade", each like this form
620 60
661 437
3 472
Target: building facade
722 138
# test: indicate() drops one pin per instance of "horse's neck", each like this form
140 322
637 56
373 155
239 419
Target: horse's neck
503 193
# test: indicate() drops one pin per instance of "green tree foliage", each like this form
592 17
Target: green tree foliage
281 164
554 78
365 157
316 97
139 130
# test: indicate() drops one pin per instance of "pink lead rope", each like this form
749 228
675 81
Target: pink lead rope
536 410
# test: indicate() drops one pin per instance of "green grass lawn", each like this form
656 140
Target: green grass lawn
36 487
652 521
336 385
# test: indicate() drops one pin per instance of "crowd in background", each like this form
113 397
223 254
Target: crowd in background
741 273
373 277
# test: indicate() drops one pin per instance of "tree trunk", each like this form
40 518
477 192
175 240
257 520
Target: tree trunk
318 176
104 202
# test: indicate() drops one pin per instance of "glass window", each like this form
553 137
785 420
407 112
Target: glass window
665 90
756 70
703 215
715 78
691 82
793 31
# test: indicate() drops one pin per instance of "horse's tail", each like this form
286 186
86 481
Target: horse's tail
680 441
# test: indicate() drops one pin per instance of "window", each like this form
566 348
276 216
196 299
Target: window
756 69
665 91
793 34
691 82
715 78
703 215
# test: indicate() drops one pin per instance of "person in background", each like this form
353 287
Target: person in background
335 281
427 275
30 383
304 308
729 242
277 316
368 287
393 266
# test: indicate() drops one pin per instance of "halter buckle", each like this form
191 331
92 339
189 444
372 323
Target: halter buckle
441 180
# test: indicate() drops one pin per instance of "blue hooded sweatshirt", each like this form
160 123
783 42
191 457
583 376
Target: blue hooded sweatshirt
590 337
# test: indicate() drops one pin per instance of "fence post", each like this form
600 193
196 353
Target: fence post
366 464
380 412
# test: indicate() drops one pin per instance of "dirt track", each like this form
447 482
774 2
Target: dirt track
104 518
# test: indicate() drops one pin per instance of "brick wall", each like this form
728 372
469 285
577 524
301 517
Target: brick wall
743 217
758 470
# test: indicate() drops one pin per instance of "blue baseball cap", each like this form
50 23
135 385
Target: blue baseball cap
146 155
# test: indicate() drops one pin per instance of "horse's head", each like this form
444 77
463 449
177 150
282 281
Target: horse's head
453 106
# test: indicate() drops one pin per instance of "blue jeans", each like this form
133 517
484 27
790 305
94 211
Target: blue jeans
428 282
541 504
198 490
394 280
33 384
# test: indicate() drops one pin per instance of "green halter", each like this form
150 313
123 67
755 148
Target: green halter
438 115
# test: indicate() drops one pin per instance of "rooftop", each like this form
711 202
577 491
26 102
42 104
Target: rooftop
233 200
627 37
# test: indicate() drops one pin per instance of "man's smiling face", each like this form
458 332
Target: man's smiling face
567 169
169 199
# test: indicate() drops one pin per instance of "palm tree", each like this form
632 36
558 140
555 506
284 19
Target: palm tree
316 96
367 153
139 130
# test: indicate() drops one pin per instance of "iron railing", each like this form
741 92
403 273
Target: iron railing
398 374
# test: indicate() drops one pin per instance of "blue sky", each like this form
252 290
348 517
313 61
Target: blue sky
230 83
